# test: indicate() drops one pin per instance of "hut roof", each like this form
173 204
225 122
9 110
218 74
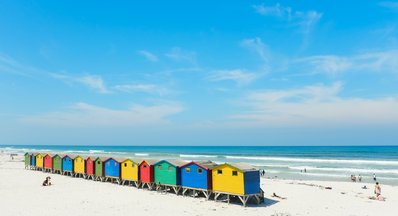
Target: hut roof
100 158
176 163
134 160
150 161
68 155
244 167
118 159
208 165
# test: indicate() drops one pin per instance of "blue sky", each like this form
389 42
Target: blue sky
199 73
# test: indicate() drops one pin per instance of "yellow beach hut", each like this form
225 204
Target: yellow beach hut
237 179
78 166
129 171
39 161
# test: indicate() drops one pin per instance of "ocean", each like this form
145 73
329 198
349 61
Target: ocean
332 163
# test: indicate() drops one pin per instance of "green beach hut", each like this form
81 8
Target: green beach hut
99 168
167 174
27 160
57 164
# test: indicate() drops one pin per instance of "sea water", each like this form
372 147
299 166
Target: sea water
335 163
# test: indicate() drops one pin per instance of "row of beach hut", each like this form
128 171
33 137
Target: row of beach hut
220 181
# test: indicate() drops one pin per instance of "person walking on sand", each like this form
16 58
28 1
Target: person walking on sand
374 176
377 190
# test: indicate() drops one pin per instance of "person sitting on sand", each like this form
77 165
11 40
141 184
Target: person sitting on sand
274 195
47 182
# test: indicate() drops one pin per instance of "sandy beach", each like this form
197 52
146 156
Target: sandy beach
21 193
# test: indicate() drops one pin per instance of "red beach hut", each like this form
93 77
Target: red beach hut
48 163
147 172
89 168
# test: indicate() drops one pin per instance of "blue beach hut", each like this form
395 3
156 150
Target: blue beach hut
33 158
67 164
197 175
112 168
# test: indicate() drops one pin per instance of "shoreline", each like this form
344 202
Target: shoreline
22 194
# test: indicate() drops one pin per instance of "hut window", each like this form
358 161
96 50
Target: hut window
144 166
200 170
159 167
132 165
98 162
125 164
219 172
187 169
170 168
234 173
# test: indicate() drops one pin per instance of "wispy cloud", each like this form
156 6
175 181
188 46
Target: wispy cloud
94 82
240 77
87 115
148 55
256 45
393 5
305 20
385 61
315 105
275 10
177 54
144 88
12 66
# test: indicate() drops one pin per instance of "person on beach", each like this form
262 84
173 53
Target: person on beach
377 191
374 176
359 178
47 182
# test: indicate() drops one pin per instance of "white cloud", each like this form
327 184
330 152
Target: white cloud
305 20
237 75
386 61
276 10
315 105
149 56
11 66
257 46
177 54
145 88
87 115
94 82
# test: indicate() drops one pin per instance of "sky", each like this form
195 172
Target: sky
199 72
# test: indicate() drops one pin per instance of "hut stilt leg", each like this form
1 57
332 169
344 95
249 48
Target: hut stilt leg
228 198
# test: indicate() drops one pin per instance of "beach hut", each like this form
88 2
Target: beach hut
57 164
78 166
196 177
33 161
39 161
129 172
167 174
147 173
67 165
237 179
89 167
99 168
112 169
28 160
48 163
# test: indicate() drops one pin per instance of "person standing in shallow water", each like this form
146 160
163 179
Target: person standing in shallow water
374 176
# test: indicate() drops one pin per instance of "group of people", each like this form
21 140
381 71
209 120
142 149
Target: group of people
354 178
377 188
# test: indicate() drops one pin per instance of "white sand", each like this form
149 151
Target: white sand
21 193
